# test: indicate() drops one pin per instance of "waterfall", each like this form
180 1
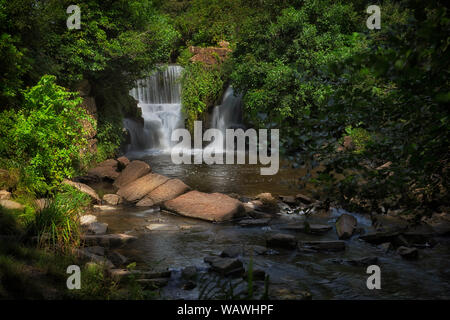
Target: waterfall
227 115
159 97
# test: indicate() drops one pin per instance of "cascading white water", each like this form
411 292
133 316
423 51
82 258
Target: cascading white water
227 115
159 97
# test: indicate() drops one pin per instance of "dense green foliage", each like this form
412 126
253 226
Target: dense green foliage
56 225
201 88
315 71
43 138
118 43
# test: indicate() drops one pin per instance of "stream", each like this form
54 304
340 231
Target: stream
180 242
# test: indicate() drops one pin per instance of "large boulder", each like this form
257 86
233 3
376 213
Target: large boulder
215 207
167 191
345 226
132 172
136 190
83 188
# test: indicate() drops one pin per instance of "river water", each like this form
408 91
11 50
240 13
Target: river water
180 242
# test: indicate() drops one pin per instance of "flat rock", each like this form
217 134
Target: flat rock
132 172
254 222
281 240
137 189
5 195
227 266
85 254
162 227
112 199
83 188
231 252
104 207
168 191
97 228
108 163
104 172
11 205
259 250
87 219
310 228
322 245
345 226
108 240
408 253
214 207
418 237
380 237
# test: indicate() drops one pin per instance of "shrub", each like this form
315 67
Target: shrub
57 225
45 136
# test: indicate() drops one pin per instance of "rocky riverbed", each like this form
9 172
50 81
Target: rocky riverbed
296 247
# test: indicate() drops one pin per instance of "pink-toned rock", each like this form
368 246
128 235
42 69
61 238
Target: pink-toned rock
136 190
83 188
168 191
206 206
132 172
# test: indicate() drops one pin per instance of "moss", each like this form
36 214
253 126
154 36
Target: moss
202 86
